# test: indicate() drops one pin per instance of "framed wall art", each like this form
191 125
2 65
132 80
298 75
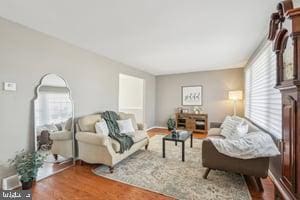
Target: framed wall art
191 95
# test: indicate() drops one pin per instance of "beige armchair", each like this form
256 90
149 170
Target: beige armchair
62 144
97 148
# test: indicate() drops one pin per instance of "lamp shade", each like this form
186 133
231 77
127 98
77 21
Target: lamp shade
235 95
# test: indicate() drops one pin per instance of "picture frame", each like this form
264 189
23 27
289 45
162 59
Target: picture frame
191 95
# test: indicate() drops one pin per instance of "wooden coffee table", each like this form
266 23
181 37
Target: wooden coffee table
182 138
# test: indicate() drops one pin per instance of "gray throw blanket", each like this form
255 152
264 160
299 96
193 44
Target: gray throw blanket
114 132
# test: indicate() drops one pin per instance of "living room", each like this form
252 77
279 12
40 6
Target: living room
149 99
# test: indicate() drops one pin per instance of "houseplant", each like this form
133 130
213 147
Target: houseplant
171 123
27 165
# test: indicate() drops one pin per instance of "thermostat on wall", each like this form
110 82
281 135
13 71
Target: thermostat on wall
9 86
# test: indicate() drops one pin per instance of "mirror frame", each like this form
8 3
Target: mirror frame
73 117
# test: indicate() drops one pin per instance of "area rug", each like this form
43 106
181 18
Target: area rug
172 177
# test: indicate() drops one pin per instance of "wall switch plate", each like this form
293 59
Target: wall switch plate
9 86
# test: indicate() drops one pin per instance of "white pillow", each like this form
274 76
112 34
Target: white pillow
229 128
242 129
125 126
226 120
101 127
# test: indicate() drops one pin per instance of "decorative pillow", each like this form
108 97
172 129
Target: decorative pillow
68 124
129 116
237 118
87 123
101 127
229 128
63 125
226 120
125 126
59 126
241 130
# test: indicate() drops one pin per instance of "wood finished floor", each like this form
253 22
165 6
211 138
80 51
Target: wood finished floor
80 183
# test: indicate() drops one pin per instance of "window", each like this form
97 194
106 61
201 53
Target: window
131 96
262 100
53 108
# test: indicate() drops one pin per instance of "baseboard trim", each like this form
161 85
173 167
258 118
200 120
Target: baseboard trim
152 127
280 188
11 182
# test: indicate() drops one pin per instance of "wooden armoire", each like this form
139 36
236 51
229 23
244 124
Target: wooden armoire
284 31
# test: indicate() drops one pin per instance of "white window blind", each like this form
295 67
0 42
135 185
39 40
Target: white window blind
262 100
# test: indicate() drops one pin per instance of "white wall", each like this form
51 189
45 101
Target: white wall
27 55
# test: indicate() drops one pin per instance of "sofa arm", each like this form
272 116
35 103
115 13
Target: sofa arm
61 135
92 138
141 126
215 124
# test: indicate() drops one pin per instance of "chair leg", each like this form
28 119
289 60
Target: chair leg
259 184
146 147
206 173
111 169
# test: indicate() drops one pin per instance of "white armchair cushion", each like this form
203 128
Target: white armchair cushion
125 126
101 127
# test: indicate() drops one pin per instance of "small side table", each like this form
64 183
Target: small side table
182 138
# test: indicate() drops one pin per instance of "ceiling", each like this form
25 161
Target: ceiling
157 36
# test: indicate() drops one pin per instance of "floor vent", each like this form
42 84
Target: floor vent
11 182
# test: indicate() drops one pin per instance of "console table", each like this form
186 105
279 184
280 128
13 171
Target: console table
192 122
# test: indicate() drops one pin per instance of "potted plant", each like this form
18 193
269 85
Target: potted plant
171 123
27 165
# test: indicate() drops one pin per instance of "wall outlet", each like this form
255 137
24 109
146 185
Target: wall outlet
9 86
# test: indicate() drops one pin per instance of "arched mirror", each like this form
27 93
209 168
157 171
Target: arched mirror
54 124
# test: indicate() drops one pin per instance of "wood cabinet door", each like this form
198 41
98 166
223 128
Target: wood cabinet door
288 154
190 124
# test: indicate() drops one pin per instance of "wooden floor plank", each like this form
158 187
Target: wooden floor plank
80 183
